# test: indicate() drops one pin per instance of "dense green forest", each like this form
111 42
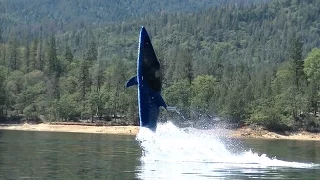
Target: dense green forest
245 63
28 18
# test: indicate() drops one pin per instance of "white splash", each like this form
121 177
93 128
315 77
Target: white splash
172 152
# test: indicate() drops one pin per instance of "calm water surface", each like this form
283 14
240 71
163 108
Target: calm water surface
46 155
171 153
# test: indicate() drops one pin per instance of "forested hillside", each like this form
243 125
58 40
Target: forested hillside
244 63
28 18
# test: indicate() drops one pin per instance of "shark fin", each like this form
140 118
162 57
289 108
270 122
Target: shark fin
159 100
132 81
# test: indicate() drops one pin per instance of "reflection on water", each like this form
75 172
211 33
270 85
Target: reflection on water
173 153
44 155
170 153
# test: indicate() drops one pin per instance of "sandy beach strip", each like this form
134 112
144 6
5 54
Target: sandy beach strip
249 133
243 133
121 130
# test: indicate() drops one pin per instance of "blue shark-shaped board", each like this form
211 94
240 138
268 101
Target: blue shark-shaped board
149 83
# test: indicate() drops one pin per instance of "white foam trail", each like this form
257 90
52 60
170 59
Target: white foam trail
171 153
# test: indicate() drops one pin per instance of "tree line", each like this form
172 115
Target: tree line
256 64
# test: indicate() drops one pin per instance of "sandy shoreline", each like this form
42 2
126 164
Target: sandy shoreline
133 130
122 130
264 134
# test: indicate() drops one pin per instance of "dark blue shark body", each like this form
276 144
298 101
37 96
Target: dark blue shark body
149 83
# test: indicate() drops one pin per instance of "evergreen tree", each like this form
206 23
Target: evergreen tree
33 95
27 59
203 88
33 54
39 56
1 31
296 58
183 68
312 71
299 77
84 84
68 54
119 76
13 54
53 61
97 82
3 55
2 92
92 53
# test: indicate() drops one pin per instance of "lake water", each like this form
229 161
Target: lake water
170 153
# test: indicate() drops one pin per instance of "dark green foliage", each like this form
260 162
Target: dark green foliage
33 54
39 61
312 71
53 62
13 54
68 54
26 64
44 17
183 66
84 84
92 53
2 92
1 35
33 95
297 59
202 94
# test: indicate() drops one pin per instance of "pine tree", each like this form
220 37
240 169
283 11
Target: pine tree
183 68
2 55
68 54
27 59
33 54
1 31
97 81
2 92
92 53
53 62
296 58
39 56
84 84
312 71
13 54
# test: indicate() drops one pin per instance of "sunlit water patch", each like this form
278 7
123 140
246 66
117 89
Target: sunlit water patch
186 153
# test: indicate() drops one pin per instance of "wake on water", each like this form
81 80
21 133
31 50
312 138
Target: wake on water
172 152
